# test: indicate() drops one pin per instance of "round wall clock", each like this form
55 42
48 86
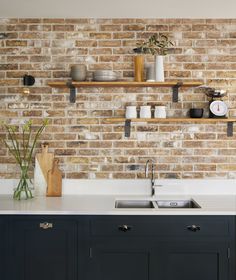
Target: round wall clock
218 108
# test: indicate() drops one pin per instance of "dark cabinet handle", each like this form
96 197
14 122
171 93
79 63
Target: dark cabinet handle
194 228
124 228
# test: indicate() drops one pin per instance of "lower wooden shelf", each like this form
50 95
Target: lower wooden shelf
127 122
164 120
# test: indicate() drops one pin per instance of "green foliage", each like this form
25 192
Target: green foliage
155 45
21 146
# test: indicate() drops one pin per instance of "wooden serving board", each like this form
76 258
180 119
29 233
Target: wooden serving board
45 160
43 163
54 180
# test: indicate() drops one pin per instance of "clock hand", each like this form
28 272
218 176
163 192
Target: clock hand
218 109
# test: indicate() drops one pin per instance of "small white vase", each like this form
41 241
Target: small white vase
159 68
160 112
145 112
131 112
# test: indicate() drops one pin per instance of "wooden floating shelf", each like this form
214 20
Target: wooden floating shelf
165 120
175 85
63 84
127 122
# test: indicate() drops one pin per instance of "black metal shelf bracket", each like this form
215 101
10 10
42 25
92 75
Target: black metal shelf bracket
73 92
230 129
175 92
127 127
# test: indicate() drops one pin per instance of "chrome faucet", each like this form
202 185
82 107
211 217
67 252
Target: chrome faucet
150 161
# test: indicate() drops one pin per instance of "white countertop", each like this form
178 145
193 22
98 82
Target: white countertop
105 205
215 198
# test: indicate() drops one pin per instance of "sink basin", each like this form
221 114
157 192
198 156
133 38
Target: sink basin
190 203
134 204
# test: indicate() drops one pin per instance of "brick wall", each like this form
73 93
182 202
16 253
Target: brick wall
205 50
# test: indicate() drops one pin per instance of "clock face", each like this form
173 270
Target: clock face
219 108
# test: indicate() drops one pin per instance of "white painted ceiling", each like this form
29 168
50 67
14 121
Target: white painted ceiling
119 8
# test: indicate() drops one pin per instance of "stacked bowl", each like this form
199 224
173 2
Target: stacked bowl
104 76
78 72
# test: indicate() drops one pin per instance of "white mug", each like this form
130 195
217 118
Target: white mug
131 112
145 112
160 112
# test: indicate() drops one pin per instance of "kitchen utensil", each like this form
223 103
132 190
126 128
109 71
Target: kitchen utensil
145 112
78 72
196 112
218 108
54 180
104 75
105 78
150 73
131 112
160 112
139 68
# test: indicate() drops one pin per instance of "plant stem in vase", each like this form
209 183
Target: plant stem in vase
23 189
21 146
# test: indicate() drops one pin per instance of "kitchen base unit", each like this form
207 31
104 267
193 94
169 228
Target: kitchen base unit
42 248
106 247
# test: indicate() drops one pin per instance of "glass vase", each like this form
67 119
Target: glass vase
23 191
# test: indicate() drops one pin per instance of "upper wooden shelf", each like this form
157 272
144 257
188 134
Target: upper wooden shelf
175 85
64 84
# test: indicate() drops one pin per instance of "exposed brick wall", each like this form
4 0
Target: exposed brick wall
205 50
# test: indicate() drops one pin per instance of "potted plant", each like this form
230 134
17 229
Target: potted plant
157 45
21 146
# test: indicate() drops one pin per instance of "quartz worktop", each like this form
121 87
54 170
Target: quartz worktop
105 205
214 197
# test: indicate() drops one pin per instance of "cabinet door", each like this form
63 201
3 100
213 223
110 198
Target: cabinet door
119 259
43 248
2 249
192 261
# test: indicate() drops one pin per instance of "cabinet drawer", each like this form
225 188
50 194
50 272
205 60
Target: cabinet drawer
178 226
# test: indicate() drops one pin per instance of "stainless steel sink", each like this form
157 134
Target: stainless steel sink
190 203
138 204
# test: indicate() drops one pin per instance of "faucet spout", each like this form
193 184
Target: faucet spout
150 161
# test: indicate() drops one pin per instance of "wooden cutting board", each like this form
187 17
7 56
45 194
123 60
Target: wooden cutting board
54 180
43 163
45 160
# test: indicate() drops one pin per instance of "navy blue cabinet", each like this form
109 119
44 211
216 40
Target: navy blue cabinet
119 259
42 248
162 247
192 261
117 247
3 248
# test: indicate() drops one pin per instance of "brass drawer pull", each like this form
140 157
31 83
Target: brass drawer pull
46 225
193 228
124 228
